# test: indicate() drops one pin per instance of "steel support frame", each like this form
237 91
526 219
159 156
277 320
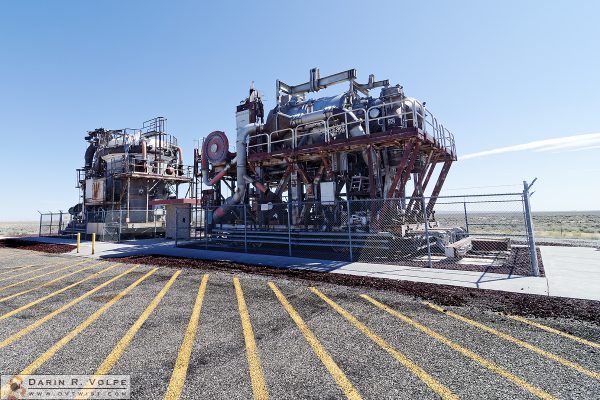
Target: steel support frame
406 164
421 184
438 186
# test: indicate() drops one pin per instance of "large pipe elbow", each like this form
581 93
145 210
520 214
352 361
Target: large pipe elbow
179 156
242 176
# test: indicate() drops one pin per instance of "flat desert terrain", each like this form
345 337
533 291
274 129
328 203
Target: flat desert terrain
19 228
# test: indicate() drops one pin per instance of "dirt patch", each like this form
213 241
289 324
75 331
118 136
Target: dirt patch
35 246
511 303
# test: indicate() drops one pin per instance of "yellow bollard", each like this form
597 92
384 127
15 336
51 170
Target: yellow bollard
93 242
78 241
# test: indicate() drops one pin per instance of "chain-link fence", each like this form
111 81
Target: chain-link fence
109 225
53 223
475 232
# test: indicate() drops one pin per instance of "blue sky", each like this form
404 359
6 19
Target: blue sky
497 74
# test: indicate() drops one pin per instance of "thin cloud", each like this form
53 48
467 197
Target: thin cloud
571 143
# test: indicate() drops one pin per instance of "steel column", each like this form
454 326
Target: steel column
438 186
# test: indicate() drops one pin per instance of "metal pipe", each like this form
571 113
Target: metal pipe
316 116
180 155
242 176
145 155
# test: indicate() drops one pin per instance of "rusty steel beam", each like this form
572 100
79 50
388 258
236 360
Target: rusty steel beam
389 137
438 186
309 186
372 188
422 182
328 171
409 167
284 181
411 151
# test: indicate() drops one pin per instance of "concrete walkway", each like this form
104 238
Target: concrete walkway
570 271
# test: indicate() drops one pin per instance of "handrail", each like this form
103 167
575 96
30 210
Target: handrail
345 113
271 141
422 119
268 144
315 123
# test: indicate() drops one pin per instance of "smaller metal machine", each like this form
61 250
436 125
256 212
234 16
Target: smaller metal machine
125 170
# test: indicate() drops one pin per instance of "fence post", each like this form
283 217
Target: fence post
349 230
245 229
41 217
60 222
426 224
50 233
289 228
535 269
466 218
176 225
206 227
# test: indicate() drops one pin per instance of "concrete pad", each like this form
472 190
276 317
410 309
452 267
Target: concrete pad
570 271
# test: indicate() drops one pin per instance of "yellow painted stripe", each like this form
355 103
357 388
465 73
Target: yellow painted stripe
29 272
257 378
19 268
39 276
518 342
185 351
120 348
429 380
338 375
60 278
48 354
46 297
39 322
462 350
554 330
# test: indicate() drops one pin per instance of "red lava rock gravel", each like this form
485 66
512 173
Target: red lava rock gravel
35 246
507 302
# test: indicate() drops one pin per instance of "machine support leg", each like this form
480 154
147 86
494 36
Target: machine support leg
438 185
423 181
408 149
409 167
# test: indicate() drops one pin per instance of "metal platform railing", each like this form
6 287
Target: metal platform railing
413 114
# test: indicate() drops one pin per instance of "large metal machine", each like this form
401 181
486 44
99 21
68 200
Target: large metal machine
352 161
125 171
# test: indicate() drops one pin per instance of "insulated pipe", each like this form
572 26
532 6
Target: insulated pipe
218 176
242 176
180 155
308 118
145 155
356 130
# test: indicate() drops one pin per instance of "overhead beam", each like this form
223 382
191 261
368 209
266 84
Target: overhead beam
317 83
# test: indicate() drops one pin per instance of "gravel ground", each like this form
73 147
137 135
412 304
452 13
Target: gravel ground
218 364
35 246
514 303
